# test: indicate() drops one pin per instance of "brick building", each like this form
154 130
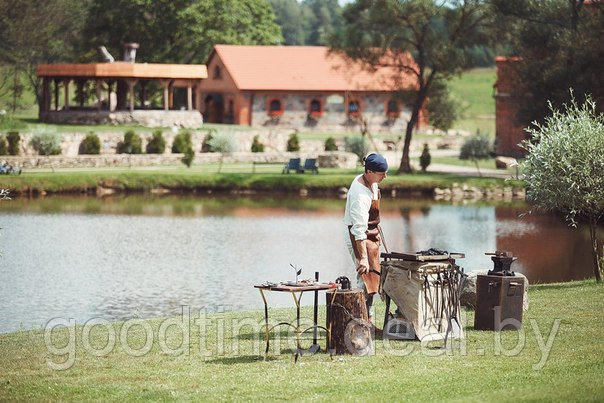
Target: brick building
508 130
300 87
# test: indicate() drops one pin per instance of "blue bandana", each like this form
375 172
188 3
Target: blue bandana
376 163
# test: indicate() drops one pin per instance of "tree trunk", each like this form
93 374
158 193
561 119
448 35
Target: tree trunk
350 329
405 166
477 168
594 244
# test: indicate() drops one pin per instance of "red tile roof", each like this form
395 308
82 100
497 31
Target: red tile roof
305 68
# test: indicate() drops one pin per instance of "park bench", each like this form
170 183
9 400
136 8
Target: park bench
8 169
293 165
311 165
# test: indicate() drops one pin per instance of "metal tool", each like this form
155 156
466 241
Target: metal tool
502 262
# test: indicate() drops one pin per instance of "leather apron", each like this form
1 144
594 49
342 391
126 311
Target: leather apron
371 279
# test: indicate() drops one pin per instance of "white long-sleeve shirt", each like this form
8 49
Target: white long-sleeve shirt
358 203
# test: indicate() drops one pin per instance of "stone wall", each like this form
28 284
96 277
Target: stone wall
333 159
147 118
333 117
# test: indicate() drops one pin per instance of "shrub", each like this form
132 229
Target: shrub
90 145
223 143
188 157
477 147
425 158
356 145
3 146
157 144
46 142
293 143
257 146
205 146
330 144
182 142
14 140
132 144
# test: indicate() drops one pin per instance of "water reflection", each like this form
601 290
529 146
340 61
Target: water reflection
137 256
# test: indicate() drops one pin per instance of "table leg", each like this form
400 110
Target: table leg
297 302
315 347
387 314
265 320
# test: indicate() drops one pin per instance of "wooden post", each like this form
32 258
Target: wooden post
66 94
347 320
198 97
131 84
56 94
189 96
166 84
45 94
98 84
142 94
171 98
80 89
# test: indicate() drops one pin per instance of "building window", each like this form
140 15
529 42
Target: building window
217 73
354 108
315 107
274 107
392 109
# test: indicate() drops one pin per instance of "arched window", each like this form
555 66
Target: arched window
392 109
315 107
353 108
217 72
274 107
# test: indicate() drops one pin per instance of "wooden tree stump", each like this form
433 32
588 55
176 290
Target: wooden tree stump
350 329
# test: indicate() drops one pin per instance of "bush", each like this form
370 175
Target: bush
425 159
330 144
182 142
46 142
223 143
356 145
132 144
90 145
188 157
14 140
293 143
205 146
477 147
257 146
3 146
157 144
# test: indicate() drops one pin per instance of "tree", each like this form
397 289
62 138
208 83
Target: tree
357 145
177 31
132 144
293 142
46 142
330 144
477 147
442 108
90 145
324 17
559 46
257 146
439 35
157 144
563 169
34 32
290 17
425 158
222 143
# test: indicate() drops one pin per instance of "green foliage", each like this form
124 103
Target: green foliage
3 146
307 22
330 144
132 144
90 145
443 110
205 145
157 144
559 45
391 30
477 147
188 157
182 142
257 146
357 145
565 165
14 141
425 158
46 142
178 31
223 142
293 142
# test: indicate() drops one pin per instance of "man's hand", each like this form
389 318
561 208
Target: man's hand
363 267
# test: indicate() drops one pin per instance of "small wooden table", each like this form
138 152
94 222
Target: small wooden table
296 292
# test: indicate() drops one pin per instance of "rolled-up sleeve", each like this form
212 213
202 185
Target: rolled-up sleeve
359 215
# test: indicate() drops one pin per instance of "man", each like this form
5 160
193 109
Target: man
362 217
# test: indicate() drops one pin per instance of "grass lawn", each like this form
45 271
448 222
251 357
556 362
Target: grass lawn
474 90
239 177
230 365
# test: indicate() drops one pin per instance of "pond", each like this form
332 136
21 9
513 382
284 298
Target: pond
147 256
